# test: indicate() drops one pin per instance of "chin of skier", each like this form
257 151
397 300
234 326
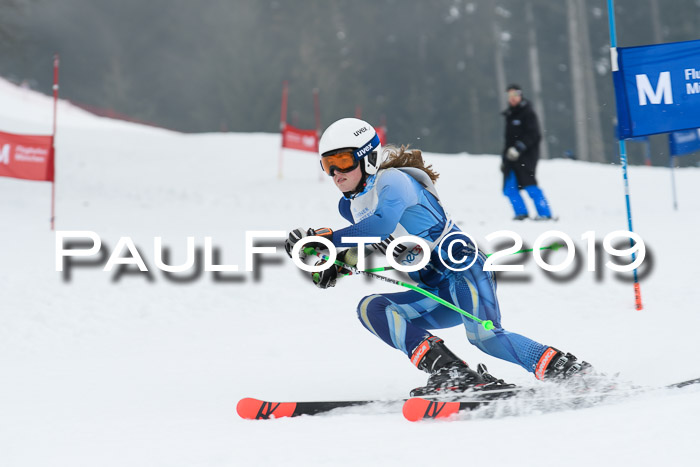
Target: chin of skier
388 193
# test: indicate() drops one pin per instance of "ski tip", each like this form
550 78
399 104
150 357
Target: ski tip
255 409
416 409
248 407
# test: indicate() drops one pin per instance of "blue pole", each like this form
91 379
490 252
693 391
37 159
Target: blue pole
623 155
611 23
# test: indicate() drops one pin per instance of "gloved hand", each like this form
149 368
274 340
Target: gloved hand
327 278
297 234
512 154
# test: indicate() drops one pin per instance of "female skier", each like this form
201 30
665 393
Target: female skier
389 193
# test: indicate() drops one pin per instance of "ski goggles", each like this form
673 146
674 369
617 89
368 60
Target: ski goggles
348 159
342 161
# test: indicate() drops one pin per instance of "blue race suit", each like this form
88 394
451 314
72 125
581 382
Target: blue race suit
394 203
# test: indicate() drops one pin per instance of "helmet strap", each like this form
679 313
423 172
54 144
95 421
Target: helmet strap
360 185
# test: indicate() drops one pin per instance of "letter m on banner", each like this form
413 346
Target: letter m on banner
29 157
662 91
655 88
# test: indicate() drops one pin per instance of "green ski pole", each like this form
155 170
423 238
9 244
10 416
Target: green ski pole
487 324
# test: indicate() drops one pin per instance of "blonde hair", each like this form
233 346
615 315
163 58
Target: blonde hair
403 157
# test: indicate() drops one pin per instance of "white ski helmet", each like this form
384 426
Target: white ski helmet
355 134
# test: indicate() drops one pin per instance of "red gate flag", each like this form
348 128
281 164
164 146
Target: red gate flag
295 138
381 132
29 157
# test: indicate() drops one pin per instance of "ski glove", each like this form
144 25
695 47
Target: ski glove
512 154
328 278
297 234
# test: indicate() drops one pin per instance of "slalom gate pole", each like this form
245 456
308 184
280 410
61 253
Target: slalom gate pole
623 160
53 141
283 125
487 324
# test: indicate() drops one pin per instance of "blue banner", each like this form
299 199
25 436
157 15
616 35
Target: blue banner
641 139
684 142
657 88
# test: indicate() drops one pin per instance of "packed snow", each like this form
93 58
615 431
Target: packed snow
108 368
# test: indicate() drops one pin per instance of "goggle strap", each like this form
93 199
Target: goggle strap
367 148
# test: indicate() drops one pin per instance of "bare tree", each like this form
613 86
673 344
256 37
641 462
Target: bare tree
7 28
536 77
498 61
578 90
595 134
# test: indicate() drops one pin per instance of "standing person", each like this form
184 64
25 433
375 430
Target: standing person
390 193
520 155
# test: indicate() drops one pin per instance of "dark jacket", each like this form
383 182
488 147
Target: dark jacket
522 132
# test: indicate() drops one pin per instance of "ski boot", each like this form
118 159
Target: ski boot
556 365
494 388
491 381
448 374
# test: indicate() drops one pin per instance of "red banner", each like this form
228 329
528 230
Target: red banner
29 157
303 140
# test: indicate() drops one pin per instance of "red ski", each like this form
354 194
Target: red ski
418 408
422 408
254 409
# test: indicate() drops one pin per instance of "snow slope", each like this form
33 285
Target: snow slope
102 369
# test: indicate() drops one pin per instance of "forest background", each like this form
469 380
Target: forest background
434 71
